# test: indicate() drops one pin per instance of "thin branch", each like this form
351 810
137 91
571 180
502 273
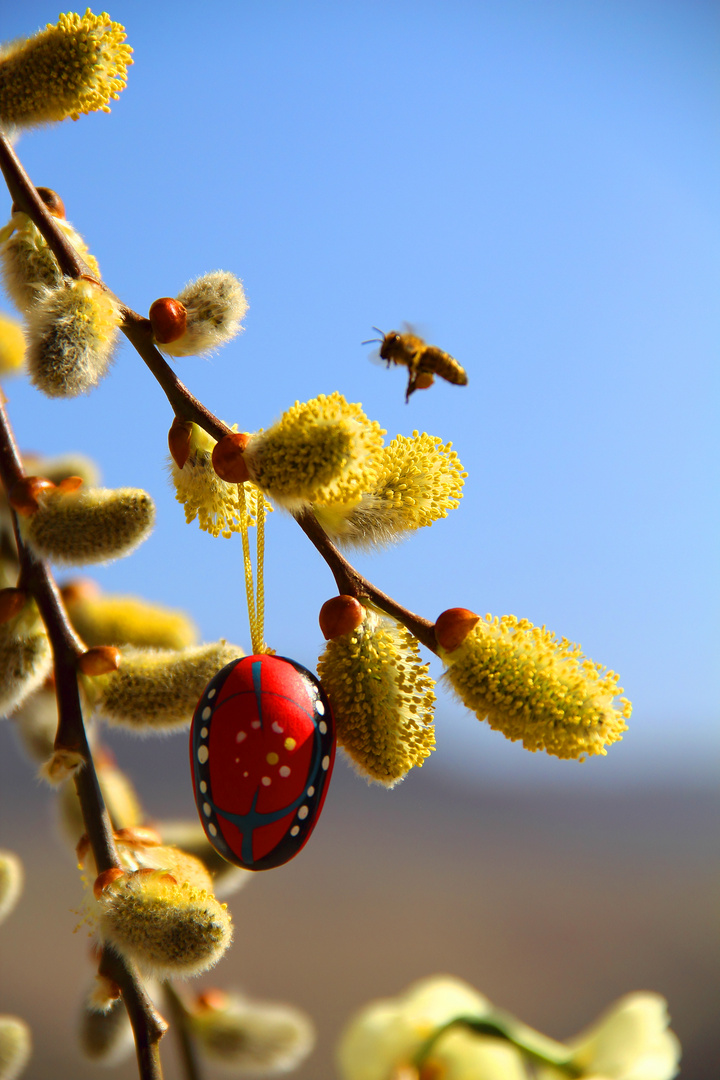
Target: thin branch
147 1024
36 578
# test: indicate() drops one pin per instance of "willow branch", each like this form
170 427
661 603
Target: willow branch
147 1024
71 735
138 331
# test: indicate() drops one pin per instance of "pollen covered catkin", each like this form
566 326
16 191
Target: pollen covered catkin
72 334
536 688
382 698
156 691
76 66
93 525
168 928
323 450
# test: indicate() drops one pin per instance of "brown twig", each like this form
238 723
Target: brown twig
36 578
147 1024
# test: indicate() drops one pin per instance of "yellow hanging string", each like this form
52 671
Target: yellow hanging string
256 608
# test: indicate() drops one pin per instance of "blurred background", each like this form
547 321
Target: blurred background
535 186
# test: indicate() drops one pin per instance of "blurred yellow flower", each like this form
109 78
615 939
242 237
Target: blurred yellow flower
383 1039
631 1041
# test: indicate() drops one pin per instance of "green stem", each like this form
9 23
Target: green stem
535 1046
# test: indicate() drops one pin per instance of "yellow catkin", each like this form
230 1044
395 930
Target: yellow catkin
15 1046
128 620
73 330
323 450
25 659
155 691
93 525
382 698
76 66
11 882
12 346
28 265
119 796
257 1037
536 688
418 480
106 1036
215 504
215 305
169 928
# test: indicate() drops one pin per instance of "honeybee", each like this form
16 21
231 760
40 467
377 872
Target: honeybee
423 361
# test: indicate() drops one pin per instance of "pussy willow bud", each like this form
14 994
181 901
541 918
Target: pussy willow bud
72 334
453 626
382 698
58 469
23 495
11 882
168 319
168 928
105 1036
36 724
12 601
340 615
99 660
158 691
29 266
418 481
52 200
127 620
62 764
214 306
76 66
535 688
95 525
179 437
15 1046
12 346
323 450
228 458
25 658
260 1038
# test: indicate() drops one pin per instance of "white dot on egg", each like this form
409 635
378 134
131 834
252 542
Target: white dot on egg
284 770
311 792
212 830
207 809
206 713
203 754
323 727
240 736
303 812
255 724
266 781
295 830
203 733
212 693
276 728
320 708
203 786
246 774
325 762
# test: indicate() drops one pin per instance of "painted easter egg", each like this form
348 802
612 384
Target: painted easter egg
262 749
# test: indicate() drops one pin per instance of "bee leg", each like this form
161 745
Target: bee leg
412 382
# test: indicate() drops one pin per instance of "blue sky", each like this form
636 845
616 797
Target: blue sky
535 185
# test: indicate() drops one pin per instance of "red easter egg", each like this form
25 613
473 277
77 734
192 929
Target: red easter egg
262 749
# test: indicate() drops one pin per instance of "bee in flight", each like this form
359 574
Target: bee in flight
423 361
